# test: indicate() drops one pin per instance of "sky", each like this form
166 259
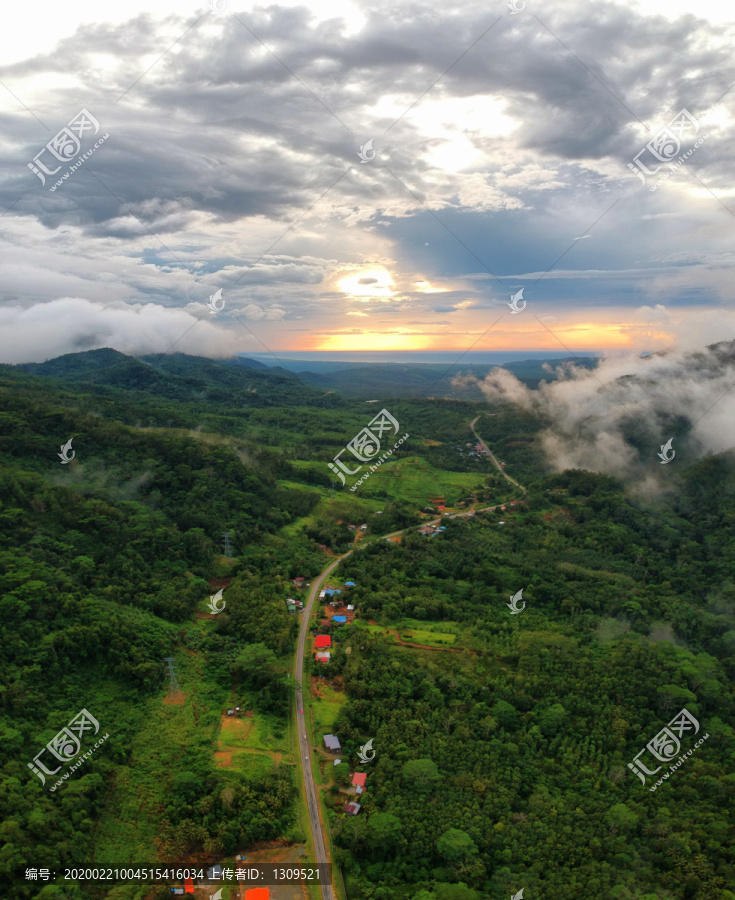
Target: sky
578 151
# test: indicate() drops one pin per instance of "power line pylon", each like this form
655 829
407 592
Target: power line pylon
175 689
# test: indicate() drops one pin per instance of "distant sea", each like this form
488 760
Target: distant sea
479 357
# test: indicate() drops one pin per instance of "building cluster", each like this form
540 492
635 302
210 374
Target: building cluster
352 807
338 613
432 530
475 450
297 605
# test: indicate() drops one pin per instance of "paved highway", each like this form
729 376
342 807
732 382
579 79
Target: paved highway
304 746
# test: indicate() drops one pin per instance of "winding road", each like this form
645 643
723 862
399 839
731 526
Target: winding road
492 457
304 745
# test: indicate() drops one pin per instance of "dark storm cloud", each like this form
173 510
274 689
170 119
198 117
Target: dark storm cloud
221 127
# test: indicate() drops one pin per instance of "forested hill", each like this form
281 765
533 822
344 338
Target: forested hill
103 563
416 380
502 747
178 377
502 740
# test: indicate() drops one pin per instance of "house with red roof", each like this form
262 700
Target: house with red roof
323 640
358 779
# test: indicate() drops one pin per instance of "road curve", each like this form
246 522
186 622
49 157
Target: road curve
492 457
304 748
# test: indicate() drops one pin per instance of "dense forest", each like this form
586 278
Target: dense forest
506 766
502 741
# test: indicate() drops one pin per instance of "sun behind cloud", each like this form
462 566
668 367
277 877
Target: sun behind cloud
369 284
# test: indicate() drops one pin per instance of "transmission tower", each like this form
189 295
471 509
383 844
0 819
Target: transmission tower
228 546
175 689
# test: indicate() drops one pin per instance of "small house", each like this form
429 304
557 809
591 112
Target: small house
363 527
340 620
337 762
230 712
358 779
323 656
330 592
322 640
350 607
332 742
359 790
299 582
349 583
352 809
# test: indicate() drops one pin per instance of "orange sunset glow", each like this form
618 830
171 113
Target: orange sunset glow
506 335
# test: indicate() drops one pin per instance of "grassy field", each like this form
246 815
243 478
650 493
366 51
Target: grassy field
431 634
324 709
415 480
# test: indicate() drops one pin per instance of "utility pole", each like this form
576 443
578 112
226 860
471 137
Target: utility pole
228 546
175 689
